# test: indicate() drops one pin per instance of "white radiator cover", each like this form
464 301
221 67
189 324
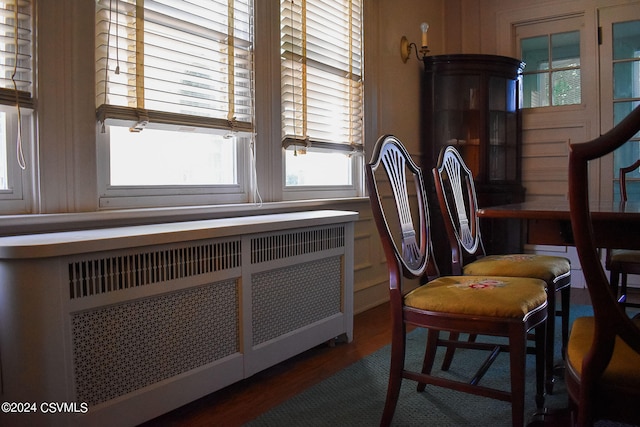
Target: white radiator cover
136 321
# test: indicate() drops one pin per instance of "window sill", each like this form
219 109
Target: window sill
44 223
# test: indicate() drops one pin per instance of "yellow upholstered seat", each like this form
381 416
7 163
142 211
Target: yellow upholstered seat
542 267
479 296
622 372
625 255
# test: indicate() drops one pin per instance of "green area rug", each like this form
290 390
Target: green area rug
355 396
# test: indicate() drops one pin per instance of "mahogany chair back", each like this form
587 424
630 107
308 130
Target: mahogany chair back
457 194
623 178
622 262
603 358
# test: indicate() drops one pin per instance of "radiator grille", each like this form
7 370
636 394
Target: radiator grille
113 273
122 348
284 245
290 298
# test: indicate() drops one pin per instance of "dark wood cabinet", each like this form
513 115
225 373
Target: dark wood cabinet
472 101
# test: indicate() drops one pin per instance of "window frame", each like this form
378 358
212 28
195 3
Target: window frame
16 199
549 28
355 188
138 196
17 104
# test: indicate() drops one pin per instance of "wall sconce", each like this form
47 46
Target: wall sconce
405 46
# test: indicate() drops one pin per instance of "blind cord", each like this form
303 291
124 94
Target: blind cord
106 66
19 153
254 172
117 71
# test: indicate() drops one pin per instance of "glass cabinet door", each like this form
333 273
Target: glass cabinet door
472 102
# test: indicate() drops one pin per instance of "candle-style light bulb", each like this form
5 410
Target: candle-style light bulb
424 27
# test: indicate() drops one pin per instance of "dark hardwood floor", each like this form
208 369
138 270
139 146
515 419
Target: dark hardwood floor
245 400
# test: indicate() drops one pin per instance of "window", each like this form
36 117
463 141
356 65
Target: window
16 102
552 73
174 96
321 89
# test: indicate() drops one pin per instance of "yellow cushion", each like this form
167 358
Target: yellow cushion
625 255
623 371
543 267
511 297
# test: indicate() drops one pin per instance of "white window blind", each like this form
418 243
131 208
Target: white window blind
321 55
15 53
175 62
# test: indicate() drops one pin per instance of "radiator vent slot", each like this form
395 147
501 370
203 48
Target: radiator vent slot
285 245
123 271
125 347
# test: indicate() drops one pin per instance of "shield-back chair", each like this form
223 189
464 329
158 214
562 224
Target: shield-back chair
457 198
603 355
481 305
622 262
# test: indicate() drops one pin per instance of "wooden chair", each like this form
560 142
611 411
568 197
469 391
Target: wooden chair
487 306
621 262
603 356
457 197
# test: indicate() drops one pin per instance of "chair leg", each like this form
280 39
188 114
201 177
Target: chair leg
540 334
517 352
433 336
448 355
565 307
614 277
550 337
623 288
398 346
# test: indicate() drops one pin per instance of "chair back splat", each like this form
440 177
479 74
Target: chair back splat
603 357
487 306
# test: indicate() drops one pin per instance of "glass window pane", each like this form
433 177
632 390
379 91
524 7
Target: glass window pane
626 80
535 53
566 87
535 90
153 157
4 178
565 50
317 168
633 189
626 40
622 110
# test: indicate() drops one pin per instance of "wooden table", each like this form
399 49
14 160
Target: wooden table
615 224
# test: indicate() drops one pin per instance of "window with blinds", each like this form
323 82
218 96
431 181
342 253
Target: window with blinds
179 62
174 95
16 100
321 89
15 53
